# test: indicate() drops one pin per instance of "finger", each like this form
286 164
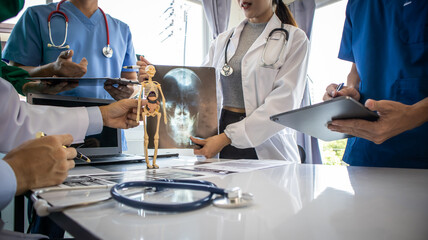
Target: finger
326 97
71 164
357 124
130 103
198 141
59 85
66 139
132 116
199 152
142 65
143 59
84 63
143 77
352 131
331 89
71 152
372 105
131 123
66 54
112 90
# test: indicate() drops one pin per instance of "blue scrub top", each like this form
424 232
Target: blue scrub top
28 43
388 42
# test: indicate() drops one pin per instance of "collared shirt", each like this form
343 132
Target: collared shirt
7 184
20 121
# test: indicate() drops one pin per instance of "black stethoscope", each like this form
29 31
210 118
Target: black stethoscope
107 50
228 198
227 70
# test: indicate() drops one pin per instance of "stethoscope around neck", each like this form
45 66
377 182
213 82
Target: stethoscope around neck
107 50
227 70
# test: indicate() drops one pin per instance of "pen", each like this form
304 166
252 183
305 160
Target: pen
132 67
339 87
79 156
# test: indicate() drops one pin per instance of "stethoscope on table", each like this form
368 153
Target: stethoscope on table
227 70
107 50
227 198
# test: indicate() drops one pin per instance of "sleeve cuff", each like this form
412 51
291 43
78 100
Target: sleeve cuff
7 184
95 121
236 133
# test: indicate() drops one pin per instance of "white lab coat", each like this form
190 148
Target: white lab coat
19 121
266 91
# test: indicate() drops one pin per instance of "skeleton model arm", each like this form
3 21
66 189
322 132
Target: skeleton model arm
163 104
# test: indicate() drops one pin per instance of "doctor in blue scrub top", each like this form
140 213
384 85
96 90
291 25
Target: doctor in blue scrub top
387 41
75 52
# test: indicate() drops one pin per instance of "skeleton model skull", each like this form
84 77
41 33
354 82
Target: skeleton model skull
151 90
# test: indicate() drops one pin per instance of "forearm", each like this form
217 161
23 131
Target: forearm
129 75
353 79
418 113
39 71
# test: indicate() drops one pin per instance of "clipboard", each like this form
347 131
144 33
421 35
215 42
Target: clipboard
86 81
313 120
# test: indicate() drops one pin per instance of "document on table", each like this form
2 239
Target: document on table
234 166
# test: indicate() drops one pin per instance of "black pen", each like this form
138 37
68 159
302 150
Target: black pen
79 156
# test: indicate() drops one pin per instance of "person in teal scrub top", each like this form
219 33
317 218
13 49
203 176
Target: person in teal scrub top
31 47
387 42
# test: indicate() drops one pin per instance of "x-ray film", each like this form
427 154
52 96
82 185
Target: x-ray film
191 105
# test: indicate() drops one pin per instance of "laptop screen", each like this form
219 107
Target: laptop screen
108 142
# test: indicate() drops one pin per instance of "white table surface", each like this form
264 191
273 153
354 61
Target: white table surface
295 201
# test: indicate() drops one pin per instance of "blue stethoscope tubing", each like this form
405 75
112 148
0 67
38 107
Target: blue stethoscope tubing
197 185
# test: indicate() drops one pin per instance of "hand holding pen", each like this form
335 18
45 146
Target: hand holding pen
41 162
79 156
142 64
336 90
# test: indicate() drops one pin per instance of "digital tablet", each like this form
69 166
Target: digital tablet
313 120
85 81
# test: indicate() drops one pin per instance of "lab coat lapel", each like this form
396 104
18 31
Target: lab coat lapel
234 40
273 23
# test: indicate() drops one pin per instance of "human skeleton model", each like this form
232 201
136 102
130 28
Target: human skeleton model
151 91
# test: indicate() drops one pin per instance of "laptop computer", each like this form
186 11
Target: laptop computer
105 147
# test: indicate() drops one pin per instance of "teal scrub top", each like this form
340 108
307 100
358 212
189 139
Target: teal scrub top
388 42
28 43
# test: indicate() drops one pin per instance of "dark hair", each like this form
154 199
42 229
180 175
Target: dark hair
284 13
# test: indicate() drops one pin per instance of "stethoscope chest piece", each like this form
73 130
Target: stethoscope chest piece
226 70
108 51
234 199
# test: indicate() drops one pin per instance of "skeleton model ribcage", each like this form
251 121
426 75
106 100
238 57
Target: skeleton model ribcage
151 87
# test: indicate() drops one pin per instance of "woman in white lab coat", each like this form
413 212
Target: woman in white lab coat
253 92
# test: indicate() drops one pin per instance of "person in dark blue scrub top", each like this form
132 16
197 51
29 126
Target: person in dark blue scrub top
387 41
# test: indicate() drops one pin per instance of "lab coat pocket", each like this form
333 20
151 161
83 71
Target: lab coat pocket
414 21
410 90
265 78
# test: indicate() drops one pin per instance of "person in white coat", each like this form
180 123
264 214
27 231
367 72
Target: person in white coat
253 92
